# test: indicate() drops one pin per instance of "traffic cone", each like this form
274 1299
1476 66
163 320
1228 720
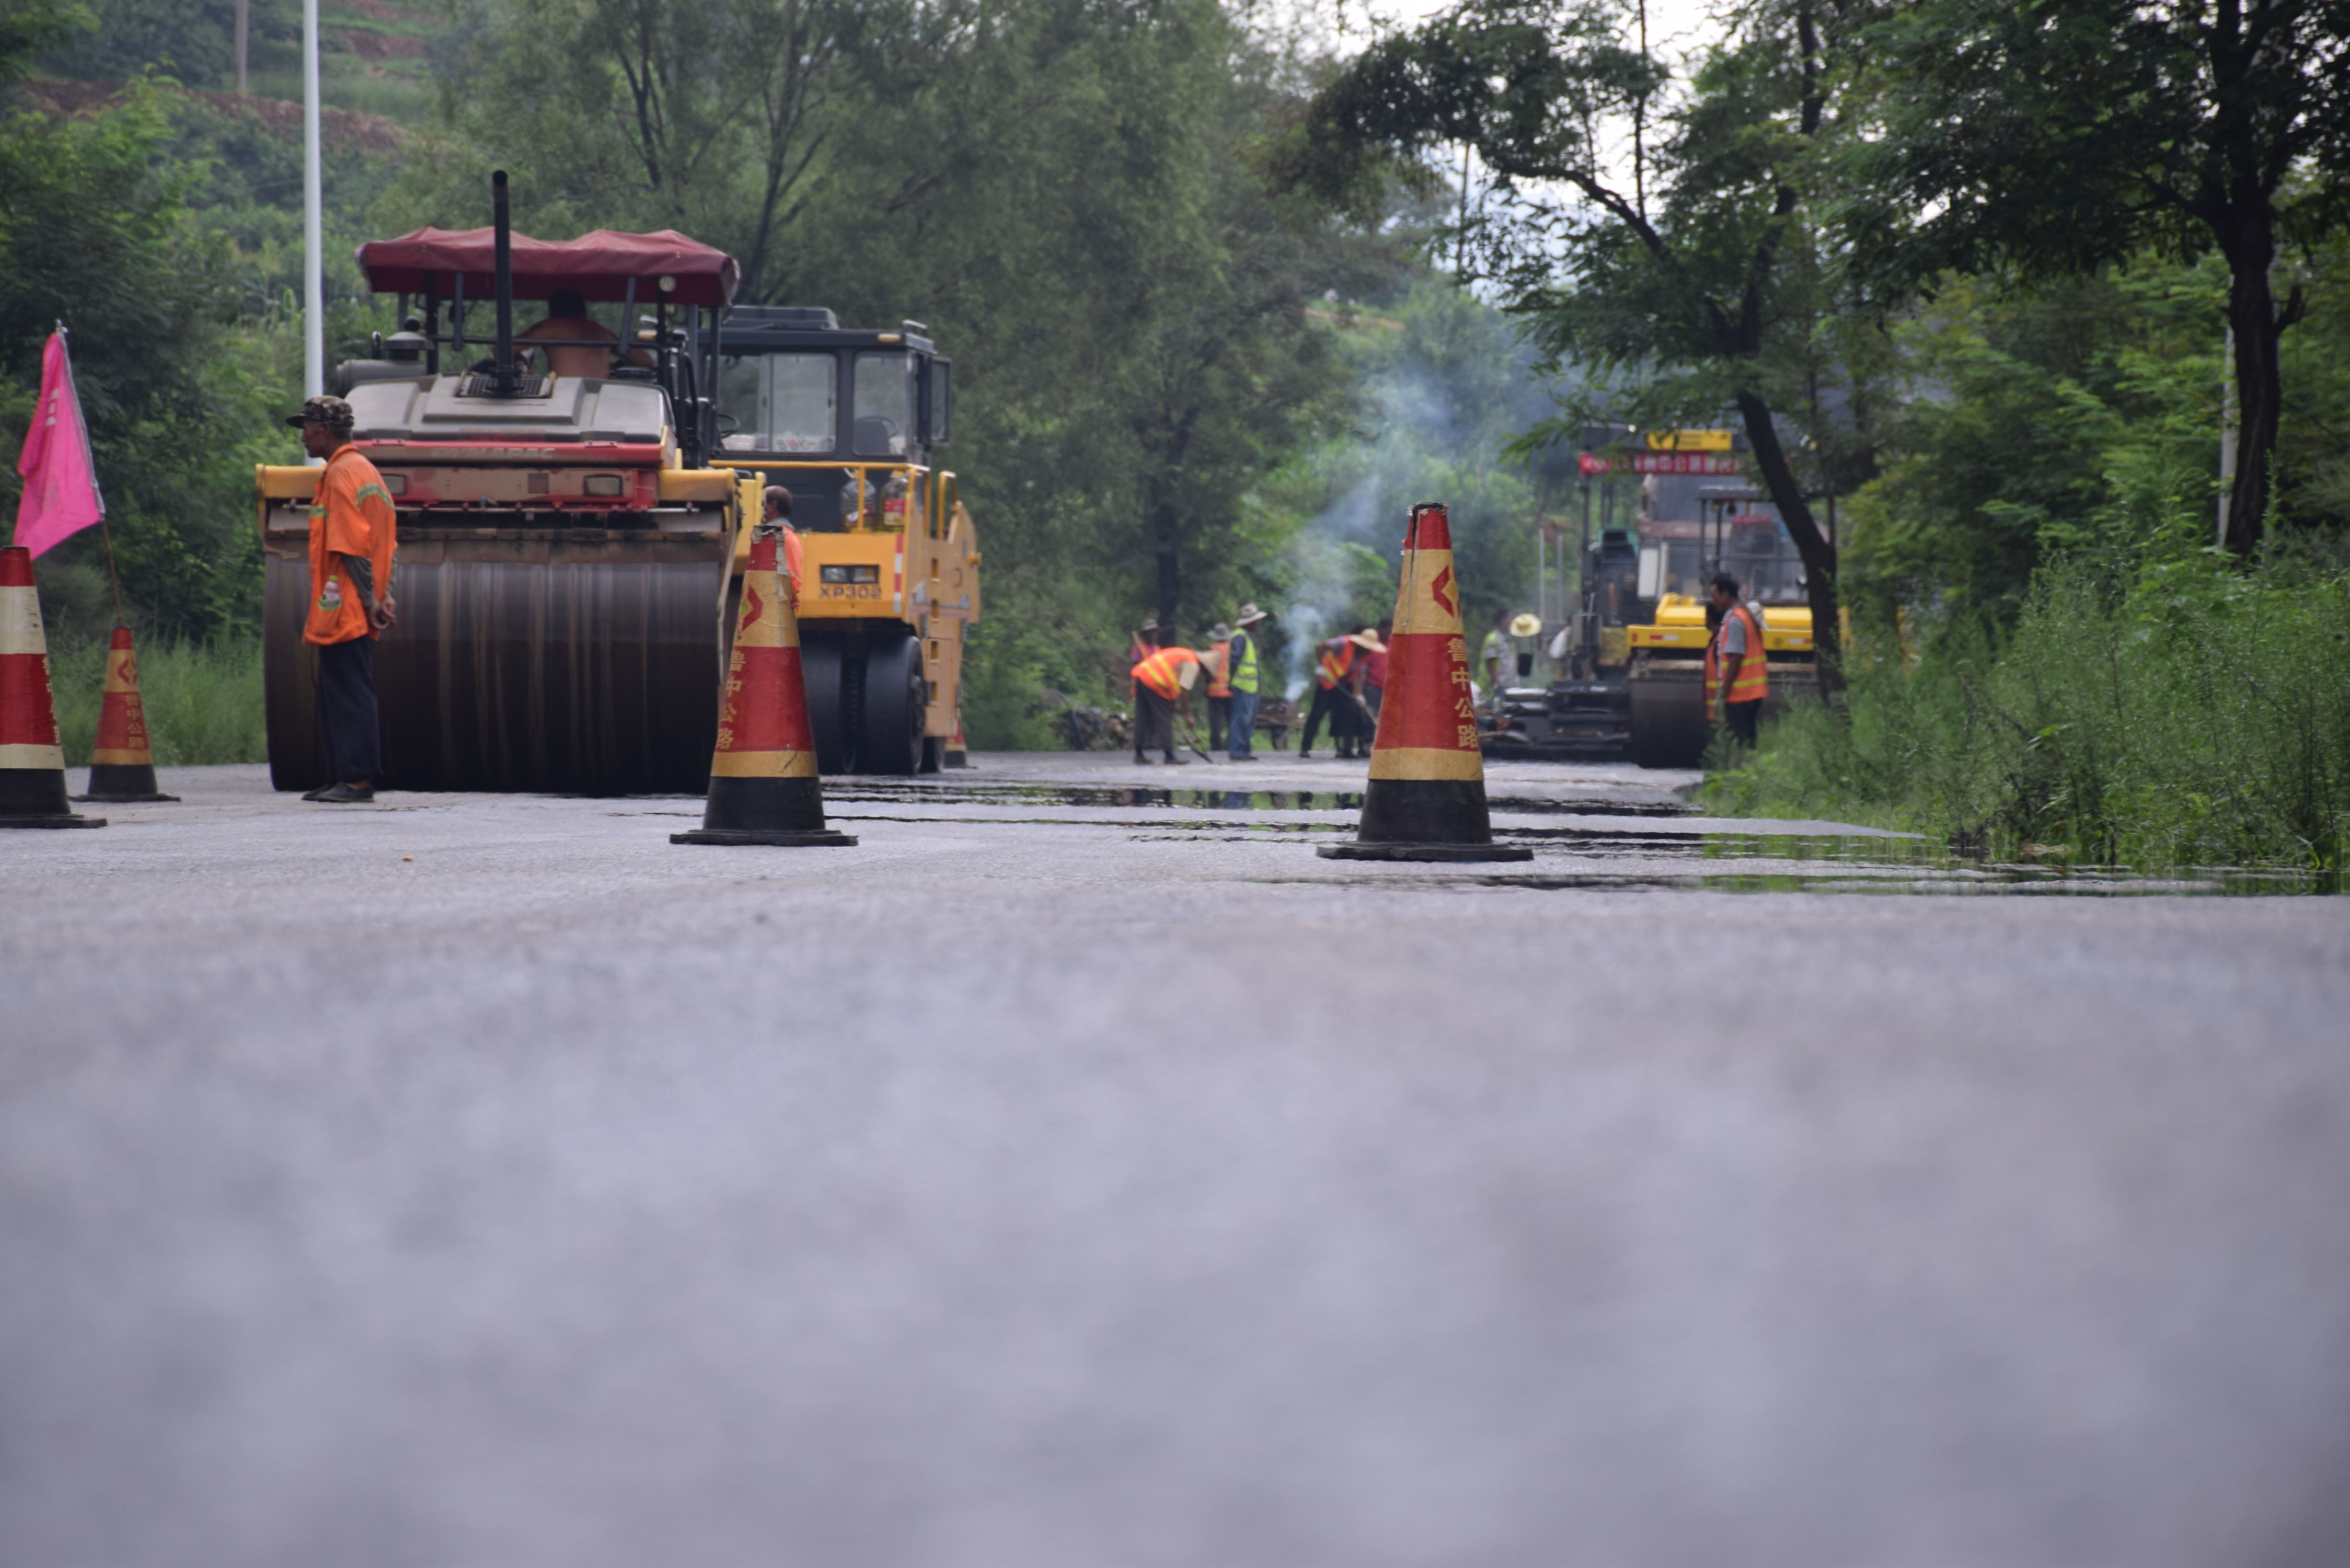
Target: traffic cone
1425 799
32 764
121 765
762 782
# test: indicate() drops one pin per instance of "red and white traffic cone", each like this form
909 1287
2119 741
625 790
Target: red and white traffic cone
32 762
763 787
1426 798
121 764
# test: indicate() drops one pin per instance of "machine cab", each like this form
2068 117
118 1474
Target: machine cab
847 420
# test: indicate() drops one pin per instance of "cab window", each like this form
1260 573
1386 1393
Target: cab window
884 407
781 402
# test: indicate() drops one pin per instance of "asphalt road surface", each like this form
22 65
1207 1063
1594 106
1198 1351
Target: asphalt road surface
1069 1176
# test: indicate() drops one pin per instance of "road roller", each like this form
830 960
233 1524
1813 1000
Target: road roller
1665 672
851 420
566 550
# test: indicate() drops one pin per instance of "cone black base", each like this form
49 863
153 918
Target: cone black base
763 811
1425 811
762 836
121 783
1424 852
35 797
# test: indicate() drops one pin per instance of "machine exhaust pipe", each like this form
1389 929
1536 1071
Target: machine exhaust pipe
503 377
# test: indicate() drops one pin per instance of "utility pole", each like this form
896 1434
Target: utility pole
314 281
243 25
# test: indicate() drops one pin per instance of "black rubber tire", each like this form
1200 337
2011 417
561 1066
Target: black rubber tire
895 698
820 660
1667 724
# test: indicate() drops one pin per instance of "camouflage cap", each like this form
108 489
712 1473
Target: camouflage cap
328 410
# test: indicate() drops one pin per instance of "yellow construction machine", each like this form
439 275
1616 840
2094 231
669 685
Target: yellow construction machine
849 420
571 545
1665 652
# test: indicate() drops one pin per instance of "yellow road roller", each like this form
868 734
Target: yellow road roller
849 420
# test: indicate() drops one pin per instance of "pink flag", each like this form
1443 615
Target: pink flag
60 482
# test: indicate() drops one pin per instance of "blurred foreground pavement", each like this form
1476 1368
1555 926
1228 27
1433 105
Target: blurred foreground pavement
1059 1180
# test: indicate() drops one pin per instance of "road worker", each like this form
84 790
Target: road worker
1338 670
1375 671
1160 681
1737 669
568 323
354 534
1219 660
1241 677
777 514
1494 655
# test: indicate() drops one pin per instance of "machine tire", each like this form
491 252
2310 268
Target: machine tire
934 753
896 698
1667 722
820 663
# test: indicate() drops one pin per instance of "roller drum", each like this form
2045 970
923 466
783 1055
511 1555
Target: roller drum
593 675
1668 714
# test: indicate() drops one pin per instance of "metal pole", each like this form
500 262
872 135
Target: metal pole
314 283
243 25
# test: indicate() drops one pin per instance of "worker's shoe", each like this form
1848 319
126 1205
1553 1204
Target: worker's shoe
343 795
1140 758
1175 762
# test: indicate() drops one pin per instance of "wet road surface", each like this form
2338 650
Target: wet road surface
1081 1172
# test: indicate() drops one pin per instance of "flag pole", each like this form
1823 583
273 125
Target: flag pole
314 303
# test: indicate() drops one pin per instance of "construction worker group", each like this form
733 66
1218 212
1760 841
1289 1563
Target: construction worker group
1350 678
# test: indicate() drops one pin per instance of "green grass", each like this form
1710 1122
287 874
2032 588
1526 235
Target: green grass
203 701
2194 716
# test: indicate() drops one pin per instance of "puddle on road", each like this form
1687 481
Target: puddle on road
1577 858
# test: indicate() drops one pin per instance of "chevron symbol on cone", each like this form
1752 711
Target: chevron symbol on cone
1426 798
121 764
32 762
763 781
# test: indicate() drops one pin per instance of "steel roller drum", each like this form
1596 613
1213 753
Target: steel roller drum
586 662
1667 718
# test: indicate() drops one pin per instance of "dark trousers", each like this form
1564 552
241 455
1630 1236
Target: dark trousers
1744 718
1154 722
1329 704
347 712
1220 721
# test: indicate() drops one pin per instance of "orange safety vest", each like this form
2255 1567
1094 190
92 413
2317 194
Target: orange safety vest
1337 663
1162 671
1754 682
1218 666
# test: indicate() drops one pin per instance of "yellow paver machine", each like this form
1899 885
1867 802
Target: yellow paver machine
570 544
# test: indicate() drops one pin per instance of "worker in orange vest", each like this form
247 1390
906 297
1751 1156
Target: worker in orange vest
1737 669
1160 681
777 514
1219 662
1341 665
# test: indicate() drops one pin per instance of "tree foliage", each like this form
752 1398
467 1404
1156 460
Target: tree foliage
1666 227
2061 135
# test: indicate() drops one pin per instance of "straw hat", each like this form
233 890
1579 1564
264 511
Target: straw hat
1250 615
1527 625
1369 639
1219 632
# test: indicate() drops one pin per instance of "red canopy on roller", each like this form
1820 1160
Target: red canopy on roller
599 266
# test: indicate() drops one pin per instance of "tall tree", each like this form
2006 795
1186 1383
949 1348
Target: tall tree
1646 221
2060 135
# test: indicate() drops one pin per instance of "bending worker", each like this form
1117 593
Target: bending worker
1737 668
1241 675
1160 681
354 534
1339 666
